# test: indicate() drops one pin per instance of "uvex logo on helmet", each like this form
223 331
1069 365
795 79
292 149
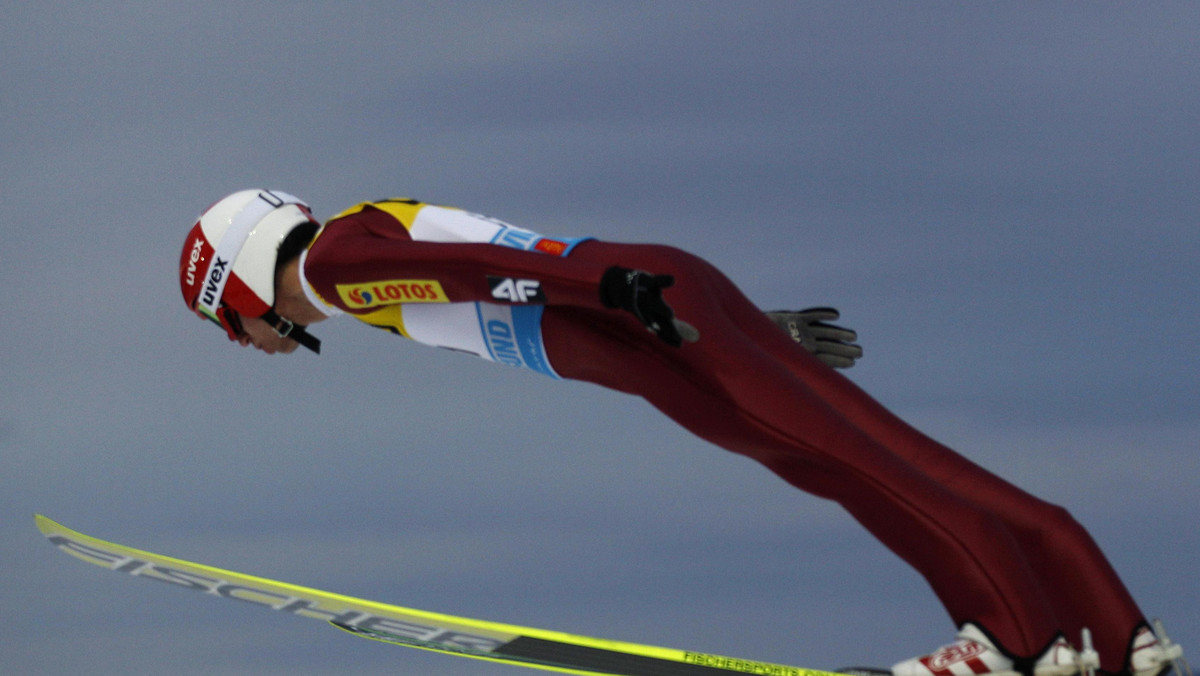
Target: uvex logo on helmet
193 266
194 258
213 285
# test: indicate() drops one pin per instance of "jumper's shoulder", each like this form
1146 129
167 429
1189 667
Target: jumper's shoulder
403 209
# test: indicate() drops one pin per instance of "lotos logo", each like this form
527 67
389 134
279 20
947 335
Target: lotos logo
391 292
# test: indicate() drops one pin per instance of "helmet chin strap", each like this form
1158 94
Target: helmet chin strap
286 328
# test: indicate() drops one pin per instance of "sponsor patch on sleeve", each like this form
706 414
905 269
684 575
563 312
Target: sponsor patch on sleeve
512 290
391 292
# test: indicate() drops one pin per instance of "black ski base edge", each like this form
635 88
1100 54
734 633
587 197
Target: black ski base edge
529 650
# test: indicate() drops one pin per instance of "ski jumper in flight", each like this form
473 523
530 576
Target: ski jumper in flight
1020 578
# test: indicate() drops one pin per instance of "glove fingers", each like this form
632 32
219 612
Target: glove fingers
838 349
686 331
830 332
820 314
835 361
668 333
656 282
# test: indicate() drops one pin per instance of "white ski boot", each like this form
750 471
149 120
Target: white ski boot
1152 653
974 654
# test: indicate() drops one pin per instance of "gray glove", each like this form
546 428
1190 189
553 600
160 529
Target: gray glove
832 344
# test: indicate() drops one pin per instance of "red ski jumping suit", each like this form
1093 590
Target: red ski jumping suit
1021 568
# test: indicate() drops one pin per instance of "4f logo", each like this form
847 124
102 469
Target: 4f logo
512 290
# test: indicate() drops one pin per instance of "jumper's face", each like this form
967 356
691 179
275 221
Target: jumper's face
262 336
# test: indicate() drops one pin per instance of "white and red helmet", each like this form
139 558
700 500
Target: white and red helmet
228 259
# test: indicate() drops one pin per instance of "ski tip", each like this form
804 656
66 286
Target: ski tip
49 527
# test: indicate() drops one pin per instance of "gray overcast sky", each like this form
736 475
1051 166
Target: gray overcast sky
1001 198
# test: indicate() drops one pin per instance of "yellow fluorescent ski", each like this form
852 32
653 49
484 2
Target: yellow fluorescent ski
523 646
